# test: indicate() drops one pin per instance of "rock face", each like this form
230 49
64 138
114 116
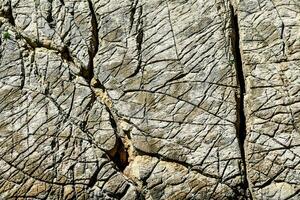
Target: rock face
138 99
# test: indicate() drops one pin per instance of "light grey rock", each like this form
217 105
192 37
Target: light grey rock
269 32
136 99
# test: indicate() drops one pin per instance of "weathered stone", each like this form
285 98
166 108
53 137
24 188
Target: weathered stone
136 99
269 32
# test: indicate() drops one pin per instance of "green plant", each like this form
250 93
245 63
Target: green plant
231 62
6 35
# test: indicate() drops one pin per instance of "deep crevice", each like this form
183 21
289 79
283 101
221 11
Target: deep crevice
66 54
119 154
49 17
94 43
62 2
8 14
241 119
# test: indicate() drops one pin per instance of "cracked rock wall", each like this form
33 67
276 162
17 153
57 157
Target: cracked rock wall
161 99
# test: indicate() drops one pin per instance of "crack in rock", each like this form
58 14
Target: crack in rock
131 99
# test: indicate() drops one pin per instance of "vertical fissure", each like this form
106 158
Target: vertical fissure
132 12
10 15
241 119
139 42
118 155
94 43
49 17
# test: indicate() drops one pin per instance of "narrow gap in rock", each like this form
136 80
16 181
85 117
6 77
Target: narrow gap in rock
49 17
6 12
94 43
241 120
282 38
130 148
10 15
139 42
66 54
127 133
97 84
119 154
132 12
94 177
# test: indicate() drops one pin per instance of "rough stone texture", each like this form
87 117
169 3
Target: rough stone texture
270 46
138 99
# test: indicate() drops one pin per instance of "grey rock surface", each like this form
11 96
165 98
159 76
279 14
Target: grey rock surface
270 45
137 99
